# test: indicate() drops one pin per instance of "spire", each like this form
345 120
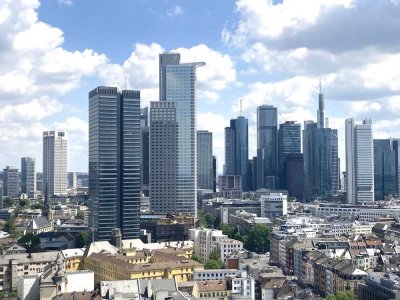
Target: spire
321 108
241 106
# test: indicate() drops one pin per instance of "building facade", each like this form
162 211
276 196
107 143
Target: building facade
11 182
204 160
385 179
178 85
145 151
28 176
55 179
114 162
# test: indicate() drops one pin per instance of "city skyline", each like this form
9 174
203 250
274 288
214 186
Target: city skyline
47 88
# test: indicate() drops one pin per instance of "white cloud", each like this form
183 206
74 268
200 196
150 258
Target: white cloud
65 2
175 11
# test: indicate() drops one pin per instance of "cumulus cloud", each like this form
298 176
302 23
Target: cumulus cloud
175 11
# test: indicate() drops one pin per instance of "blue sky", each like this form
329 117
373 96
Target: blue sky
53 52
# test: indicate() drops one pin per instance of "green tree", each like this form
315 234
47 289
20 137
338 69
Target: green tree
341 296
258 238
202 218
37 205
23 203
82 238
8 202
213 264
198 258
210 220
29 241
9 226
80 215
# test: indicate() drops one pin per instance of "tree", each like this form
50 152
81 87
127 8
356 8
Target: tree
9 226
29 241
8 202
215 255
198 258
80 215
82 238
214 261
23 203
340 296
258 238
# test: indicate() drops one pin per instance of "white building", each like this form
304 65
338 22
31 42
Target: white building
206 240
55 178
359 162
215 274
273 205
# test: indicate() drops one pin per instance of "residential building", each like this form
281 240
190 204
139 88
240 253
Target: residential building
28 176
114 162
378 286
359 162
237 149
178 85
385 180
267 141
163 157
273 205
55 179
11 182
289 142
204 160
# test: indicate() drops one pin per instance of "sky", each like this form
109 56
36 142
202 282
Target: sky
53 52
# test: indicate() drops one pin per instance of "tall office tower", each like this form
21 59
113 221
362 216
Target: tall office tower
321 109
237 149
28 176
294 166
396 149
267 139
214 174
10 182
321 162
163 157
289 142
114 162
178 85
254 175
204 160
260 178
385 180
359 162
54 163
72 180
145 151
39 181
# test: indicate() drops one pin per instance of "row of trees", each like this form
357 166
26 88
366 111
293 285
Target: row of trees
340 296
214 261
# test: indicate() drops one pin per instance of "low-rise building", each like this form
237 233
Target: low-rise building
379 286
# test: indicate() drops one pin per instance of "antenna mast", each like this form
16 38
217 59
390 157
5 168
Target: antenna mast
240 106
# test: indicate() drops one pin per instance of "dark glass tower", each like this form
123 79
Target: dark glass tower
289 142
114 162
267 140
321 161
204 160
237 148
384 169
144 146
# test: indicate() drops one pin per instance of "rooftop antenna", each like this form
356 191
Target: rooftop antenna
241 106
126 82
320 86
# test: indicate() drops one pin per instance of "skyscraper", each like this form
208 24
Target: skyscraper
163 157
10 182
321 161
237 149
145 150
114 162
28 176
204 160
359 162
55 179
385 179
321 109
289 142
267 140
178 85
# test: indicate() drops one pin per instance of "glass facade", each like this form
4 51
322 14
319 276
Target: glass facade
204 160
114 162
384 169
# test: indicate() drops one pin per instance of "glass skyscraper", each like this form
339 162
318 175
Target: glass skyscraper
267 140
289 142
385 169
204 160
28 176
178 85
114 162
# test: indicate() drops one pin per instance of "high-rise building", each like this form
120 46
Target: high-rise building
385 175
237 149
267 139
204 160
73 180
289 142
321 162
178 85
145 150
114 162
28 176
163 157
294 166
359 162
214 173
321 119
54 163
396 148
10 182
